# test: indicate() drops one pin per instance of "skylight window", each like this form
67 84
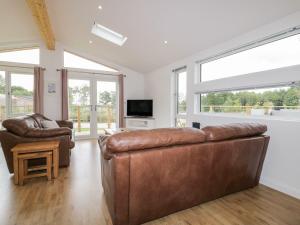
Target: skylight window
108 34
30 56
74 61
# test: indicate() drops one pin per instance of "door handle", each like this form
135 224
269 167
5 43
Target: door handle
95 108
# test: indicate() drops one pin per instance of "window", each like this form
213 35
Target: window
265 101
21 94
180 97
108 34
74 61
16 85
16 94
277 54
30 56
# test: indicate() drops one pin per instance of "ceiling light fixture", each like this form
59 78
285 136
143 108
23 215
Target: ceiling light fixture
108 34
100 7
91 42
165 42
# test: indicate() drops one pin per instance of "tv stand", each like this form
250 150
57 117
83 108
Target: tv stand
139 122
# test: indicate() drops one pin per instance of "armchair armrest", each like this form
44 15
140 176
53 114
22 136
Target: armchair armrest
65 123
43 133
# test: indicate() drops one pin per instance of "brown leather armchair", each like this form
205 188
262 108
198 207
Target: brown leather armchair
29 129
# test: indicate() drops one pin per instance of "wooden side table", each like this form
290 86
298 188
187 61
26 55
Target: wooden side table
23 166
23 152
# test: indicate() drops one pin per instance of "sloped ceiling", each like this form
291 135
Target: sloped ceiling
188 26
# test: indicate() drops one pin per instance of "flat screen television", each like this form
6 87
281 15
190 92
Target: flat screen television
143 108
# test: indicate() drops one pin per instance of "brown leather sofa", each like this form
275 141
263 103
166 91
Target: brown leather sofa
29 129
150 174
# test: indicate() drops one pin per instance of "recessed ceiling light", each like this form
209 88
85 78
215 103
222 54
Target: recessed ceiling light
100 7
107 34
165 42
91 42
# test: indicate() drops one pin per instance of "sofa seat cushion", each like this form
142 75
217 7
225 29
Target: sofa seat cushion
145 139
232 131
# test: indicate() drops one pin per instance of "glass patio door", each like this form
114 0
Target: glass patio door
92 105
80 106
106 105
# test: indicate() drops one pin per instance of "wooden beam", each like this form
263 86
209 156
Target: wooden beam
40 14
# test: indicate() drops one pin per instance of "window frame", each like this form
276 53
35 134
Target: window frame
178 115
278 85
248 46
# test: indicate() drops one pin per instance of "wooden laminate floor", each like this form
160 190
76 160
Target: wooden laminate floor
76 198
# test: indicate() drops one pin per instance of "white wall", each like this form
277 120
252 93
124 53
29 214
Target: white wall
281 169
52 60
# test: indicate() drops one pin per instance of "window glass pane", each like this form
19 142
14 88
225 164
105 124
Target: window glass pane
2 98
277 54
180 122
181 92
30 56
79 105
106 105
283 101
74 61
21 94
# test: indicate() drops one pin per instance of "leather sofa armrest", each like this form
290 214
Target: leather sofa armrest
102 144
42 133
65 123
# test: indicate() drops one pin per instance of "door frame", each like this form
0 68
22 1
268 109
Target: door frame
93 78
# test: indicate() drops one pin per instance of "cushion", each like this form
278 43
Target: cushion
19 125
49 124
235 130
145 139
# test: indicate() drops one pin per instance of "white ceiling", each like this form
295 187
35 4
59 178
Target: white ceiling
189 26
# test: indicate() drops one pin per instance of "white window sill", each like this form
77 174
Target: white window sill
265 117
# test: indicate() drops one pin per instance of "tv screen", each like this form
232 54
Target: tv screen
139 108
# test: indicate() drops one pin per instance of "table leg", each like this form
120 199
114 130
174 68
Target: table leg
26 167
21 171
55 162
16 167
49 166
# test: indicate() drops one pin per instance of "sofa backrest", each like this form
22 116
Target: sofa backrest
146 139
21 125
164 137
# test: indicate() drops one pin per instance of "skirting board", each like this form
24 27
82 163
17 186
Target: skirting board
294 192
